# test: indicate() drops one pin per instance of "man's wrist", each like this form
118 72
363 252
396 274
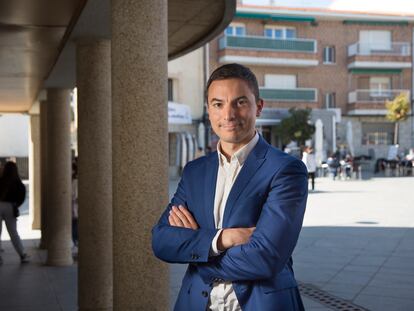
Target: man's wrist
224 240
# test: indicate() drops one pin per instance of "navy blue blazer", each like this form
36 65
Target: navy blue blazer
270 193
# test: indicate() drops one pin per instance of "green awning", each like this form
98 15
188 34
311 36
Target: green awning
274 17
372 71
375 23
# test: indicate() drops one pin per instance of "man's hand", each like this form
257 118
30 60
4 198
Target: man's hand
234 236
181 217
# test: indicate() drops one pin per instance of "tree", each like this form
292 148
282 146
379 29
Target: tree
398 110
296 127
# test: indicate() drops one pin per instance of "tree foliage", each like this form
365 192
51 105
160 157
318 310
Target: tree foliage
398 108
296 127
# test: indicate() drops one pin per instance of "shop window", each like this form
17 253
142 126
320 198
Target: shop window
380 133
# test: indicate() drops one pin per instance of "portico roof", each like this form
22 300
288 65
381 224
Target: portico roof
37 39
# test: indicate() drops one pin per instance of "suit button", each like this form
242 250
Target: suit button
204 293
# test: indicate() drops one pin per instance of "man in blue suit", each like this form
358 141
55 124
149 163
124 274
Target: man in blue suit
237 213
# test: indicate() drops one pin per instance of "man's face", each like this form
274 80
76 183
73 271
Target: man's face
232 110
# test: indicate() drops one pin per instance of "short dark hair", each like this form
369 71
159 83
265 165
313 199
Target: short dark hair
235 71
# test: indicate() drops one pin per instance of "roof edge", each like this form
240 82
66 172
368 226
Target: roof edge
228 14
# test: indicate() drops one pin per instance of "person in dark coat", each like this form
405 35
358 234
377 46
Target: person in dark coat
12 195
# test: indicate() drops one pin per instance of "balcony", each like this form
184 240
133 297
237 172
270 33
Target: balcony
371 55
289 95
371 101
256 50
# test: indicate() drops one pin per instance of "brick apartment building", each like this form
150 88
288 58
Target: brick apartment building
342 65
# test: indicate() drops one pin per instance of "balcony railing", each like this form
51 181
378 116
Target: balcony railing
374 95
380 49
268 44
299 94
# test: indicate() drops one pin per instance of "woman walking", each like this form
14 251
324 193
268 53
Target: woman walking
309 159
12 195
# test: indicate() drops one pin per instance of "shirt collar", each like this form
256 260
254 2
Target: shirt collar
241 154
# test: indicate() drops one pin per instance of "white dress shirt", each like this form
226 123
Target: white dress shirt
222 296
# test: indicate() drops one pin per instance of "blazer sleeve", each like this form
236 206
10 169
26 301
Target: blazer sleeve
276 234
180 245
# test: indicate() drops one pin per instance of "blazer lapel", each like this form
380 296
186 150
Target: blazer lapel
253 162
210 181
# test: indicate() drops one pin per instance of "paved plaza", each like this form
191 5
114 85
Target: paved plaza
357 244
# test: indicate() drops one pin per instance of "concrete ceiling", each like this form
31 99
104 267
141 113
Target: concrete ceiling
37 48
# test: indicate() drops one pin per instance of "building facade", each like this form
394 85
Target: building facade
342 65
186 80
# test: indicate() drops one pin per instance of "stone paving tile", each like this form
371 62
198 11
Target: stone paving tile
342 287
369 260
341 243
401 262
391 280
382 303
396 271
355 278
404 293
360 268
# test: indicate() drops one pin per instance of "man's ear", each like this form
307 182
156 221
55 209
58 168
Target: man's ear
259 105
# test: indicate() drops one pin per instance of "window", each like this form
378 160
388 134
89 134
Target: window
330 100
374 40
329 55
379 86
280 81
170 90
236 30
280 32
377 133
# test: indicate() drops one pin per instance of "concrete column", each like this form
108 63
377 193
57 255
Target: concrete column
59 213
140 157
95 175
43 173
34 171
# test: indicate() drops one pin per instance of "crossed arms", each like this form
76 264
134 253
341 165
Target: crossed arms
181 217
250 253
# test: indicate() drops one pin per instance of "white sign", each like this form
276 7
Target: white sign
178 113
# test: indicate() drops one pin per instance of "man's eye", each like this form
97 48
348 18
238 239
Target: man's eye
242 102
216 105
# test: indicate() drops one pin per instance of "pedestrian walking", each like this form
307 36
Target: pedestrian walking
12 195
75 233
309 159
333 164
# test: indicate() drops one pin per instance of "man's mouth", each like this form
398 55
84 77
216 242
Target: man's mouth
229 126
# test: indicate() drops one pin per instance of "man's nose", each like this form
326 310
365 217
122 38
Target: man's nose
228 112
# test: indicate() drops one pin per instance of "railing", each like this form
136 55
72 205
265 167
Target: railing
382 49
374 95
268 44
299 94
